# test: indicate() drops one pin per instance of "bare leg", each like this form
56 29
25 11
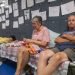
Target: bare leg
46 67
43 61
23 58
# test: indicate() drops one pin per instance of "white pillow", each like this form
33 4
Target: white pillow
53 35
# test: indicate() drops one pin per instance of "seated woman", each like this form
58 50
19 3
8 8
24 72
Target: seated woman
40 38
64 50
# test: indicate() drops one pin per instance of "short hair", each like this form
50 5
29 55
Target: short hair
39 18
71 15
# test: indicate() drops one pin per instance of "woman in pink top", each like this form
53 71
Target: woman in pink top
40 38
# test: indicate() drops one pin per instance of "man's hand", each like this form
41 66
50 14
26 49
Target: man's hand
66 35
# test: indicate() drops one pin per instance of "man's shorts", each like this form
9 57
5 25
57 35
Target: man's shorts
69 51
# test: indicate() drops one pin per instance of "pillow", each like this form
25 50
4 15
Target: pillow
53 35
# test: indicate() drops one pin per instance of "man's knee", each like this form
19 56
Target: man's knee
61 56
